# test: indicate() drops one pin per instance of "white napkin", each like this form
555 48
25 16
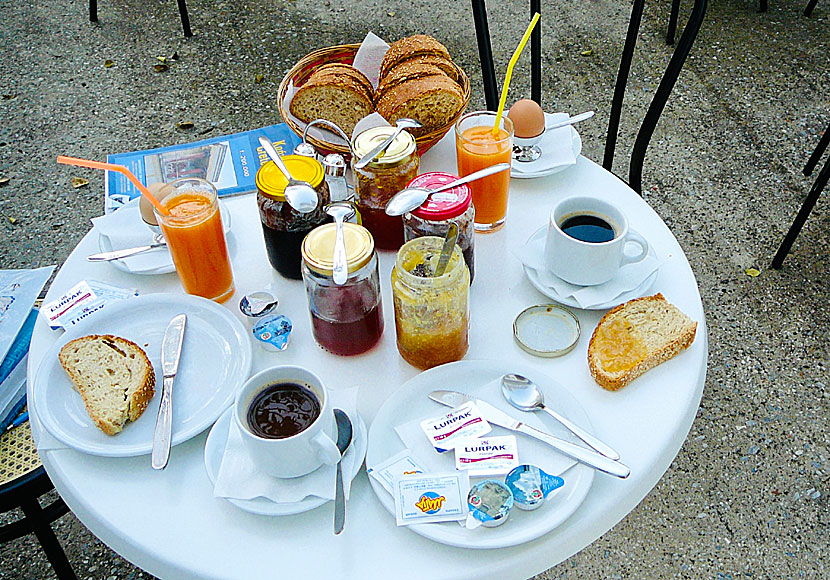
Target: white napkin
239 477
557 148
629 277
45 440
125 229
549 459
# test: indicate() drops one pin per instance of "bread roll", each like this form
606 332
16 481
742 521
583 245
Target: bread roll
432 100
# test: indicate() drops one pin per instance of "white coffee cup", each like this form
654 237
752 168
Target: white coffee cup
582 261
298 454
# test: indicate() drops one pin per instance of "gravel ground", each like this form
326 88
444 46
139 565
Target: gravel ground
747 496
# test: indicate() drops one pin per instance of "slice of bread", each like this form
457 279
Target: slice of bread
433 100
416 45
347 70
335 96
114 377
636 337
407 70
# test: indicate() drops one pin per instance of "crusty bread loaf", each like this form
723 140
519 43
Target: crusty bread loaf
636 337
336 95
409 69
433 100
416 45
113 375
340 68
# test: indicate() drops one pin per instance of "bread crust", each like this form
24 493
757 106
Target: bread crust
348 71
416 98
417 44
616 381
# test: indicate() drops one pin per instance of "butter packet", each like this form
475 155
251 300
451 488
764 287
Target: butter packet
81 301
398 465
432 497
487 456
464 422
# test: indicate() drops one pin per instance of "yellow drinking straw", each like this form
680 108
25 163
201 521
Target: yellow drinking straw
510 66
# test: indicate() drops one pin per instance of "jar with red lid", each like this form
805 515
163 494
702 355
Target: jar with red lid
282 226
346 319
434 216
376 183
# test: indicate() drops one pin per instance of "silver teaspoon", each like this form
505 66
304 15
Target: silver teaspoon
340 211
158 242
413 197
299 194
400 125
344 439
525 395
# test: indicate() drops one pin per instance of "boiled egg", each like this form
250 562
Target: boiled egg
145 208
528 119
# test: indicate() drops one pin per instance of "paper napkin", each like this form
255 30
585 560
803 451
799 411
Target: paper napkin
239 477
124 228
556 146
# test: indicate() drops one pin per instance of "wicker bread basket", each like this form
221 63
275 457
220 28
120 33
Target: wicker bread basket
345 53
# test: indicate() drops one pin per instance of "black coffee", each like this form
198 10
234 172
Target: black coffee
588 228
282 410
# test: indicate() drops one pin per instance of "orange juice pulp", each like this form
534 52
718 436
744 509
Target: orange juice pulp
197 243
477 148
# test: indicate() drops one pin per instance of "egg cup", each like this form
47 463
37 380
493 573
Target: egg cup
525 149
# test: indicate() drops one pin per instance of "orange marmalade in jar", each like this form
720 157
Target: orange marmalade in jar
432 314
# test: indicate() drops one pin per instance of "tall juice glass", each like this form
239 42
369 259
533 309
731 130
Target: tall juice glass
196 239
477 147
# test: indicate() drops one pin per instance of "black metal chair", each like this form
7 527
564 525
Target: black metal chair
93 15
812 197
22 481
658 102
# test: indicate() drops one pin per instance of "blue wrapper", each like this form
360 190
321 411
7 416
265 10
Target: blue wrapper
531 486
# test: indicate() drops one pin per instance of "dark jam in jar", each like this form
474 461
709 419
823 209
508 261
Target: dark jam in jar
282 410
348 337
387 230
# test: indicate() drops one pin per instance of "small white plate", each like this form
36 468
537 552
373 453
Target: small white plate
533 276
215 449
216 360
411 402
576 143
164 263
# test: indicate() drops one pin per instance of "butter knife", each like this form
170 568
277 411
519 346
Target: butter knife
497 416
171 352
118 254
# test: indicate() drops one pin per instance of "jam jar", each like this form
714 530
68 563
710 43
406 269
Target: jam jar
434 216
284 227
346 319
376 183
432 314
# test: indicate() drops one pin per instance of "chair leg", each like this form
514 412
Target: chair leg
820 149
485 54
763 6
93 10
536 54
185 18
809 10
673 16
801 218
54 552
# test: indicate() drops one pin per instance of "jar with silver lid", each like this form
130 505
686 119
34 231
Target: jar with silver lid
434 216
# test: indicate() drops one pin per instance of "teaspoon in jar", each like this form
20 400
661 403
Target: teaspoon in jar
340 211
299 194
400 125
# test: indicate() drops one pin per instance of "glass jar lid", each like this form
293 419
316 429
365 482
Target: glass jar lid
446 204
271 182
318 247
398 151
546 330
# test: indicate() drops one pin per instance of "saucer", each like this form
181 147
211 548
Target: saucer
576 144
215 449
535 278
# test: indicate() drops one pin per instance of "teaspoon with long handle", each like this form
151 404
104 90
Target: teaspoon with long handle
299 194
525 395
400 125
344 439
340 211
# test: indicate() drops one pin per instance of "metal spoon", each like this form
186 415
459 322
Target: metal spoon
525 395
158 242
413 197
340 211
446 250
299 194
400 125
344 439
570 120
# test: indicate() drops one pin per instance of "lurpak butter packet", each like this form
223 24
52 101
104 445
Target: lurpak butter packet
487 456
396 466
433 497
464 422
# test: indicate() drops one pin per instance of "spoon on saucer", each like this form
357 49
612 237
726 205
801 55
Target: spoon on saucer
344 439
400 125
413 197
525 395
299 194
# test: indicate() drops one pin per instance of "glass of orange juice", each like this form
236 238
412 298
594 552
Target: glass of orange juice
196 239
478 146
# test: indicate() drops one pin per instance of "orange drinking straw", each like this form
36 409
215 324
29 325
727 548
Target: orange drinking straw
120 169
510 66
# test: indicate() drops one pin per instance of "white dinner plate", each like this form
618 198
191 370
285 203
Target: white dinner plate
411 402
164 262
576 144
215 449
216 360
533 275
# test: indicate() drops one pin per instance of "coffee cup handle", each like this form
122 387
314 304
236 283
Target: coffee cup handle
635 238
327 450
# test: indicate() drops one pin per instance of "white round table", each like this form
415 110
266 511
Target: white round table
169 523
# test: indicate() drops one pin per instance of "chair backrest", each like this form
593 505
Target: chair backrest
658 101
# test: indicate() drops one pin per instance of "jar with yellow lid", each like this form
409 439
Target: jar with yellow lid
376 183
346 319
282 226
432 314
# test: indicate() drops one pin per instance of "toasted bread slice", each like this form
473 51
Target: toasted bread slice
333 96
416 45
113 375
636 337
433 100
